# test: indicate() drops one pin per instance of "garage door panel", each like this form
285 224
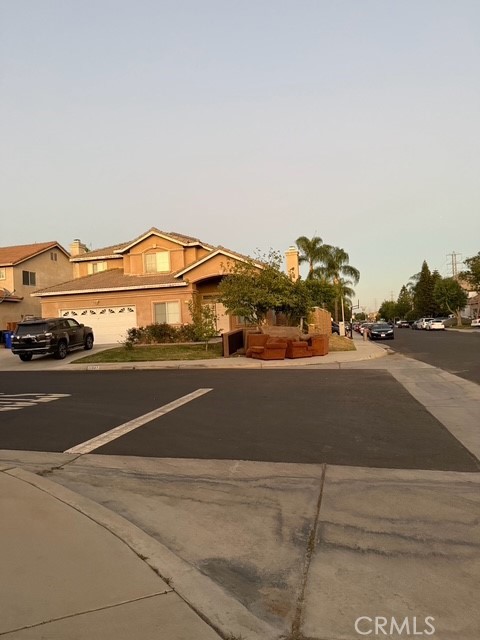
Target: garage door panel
109 324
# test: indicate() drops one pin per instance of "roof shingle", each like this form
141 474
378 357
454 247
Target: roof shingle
13 255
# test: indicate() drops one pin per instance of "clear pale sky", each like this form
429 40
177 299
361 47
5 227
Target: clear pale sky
246 123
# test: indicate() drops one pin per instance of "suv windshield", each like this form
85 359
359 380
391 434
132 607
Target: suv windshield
26 329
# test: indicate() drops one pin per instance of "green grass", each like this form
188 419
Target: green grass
154 352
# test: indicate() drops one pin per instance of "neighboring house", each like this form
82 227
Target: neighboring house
473 305
137 283
23 269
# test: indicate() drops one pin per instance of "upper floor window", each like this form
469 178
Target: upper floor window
157 262
53 256
96 267
29 278
3 275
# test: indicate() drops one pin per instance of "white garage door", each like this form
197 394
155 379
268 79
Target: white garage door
109 324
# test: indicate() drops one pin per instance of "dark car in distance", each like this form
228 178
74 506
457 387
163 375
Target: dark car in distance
380 331
56 336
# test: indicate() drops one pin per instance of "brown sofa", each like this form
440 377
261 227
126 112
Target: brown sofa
273 349
298 349
254 340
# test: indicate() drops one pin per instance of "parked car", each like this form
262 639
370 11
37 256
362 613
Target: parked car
435 325
403 324
380 331
421 323
56 336
475 323
335 327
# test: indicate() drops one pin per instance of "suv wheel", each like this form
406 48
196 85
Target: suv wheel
25 357
88 342
61 351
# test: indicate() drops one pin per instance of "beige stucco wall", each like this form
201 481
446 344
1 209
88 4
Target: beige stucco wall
210 268
47 273
143 300
80 269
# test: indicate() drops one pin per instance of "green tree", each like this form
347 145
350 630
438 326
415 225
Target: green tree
336 269
388 310
252 288
204 320
423 295
472 273
449 295
311 251
404 302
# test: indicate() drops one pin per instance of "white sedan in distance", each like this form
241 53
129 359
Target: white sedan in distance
435 325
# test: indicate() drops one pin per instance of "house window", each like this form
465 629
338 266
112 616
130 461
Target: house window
29 278
53 256
157 262
167 312
96 267
3 275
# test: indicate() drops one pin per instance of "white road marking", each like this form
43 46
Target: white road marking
15 401
117 432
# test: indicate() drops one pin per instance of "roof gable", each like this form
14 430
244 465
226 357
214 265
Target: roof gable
10 256
178 238
238 257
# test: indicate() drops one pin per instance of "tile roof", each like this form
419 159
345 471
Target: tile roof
110 280
114 250
18 253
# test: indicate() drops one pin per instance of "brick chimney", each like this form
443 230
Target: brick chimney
77 248
291 258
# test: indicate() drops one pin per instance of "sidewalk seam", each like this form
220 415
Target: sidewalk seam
297 620
86 612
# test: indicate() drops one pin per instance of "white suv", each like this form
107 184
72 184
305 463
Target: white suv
422 323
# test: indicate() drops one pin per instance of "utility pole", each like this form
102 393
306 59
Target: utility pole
454 263
354 306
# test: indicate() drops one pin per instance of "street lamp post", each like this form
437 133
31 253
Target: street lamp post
356 306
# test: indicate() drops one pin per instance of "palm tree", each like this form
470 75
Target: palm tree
312 251
336 268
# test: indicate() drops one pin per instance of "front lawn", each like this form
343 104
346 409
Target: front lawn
154 352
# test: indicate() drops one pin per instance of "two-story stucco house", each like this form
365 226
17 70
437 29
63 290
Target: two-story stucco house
25 268
146 280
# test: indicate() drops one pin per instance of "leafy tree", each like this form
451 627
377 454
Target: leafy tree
311 251
449 295
250 289
388 310
472 273
423 296
321 292
404 302
204 320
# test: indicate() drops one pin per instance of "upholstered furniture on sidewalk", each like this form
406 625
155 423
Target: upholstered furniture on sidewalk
273 349
318 345
298 349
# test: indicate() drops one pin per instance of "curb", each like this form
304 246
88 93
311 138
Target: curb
216 607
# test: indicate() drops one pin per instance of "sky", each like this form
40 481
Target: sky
246 123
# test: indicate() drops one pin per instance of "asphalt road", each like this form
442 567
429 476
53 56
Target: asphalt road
337 417
457 352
